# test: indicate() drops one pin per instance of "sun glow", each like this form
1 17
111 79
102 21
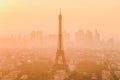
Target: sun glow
4 4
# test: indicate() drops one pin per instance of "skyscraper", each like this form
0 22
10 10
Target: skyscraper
89 36
97 36
33 35
79 36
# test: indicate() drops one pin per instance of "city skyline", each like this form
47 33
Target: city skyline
80 40
72 35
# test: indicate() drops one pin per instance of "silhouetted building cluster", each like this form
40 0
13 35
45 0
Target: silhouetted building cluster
87 40
80 40
36 35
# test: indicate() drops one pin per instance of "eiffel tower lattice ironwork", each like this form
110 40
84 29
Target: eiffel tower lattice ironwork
60 60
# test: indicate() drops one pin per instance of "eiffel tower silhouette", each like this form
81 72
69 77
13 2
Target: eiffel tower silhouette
60 60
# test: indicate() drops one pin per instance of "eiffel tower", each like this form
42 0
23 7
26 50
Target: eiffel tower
60 61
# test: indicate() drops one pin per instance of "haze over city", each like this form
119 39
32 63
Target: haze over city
59 40
23 16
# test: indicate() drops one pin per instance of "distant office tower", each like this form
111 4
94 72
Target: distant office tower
79 36
33 35
97 41
39 35
89 39
97 36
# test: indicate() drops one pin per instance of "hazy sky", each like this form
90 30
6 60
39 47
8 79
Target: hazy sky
23 16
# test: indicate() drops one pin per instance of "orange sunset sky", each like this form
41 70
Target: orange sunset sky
23 16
